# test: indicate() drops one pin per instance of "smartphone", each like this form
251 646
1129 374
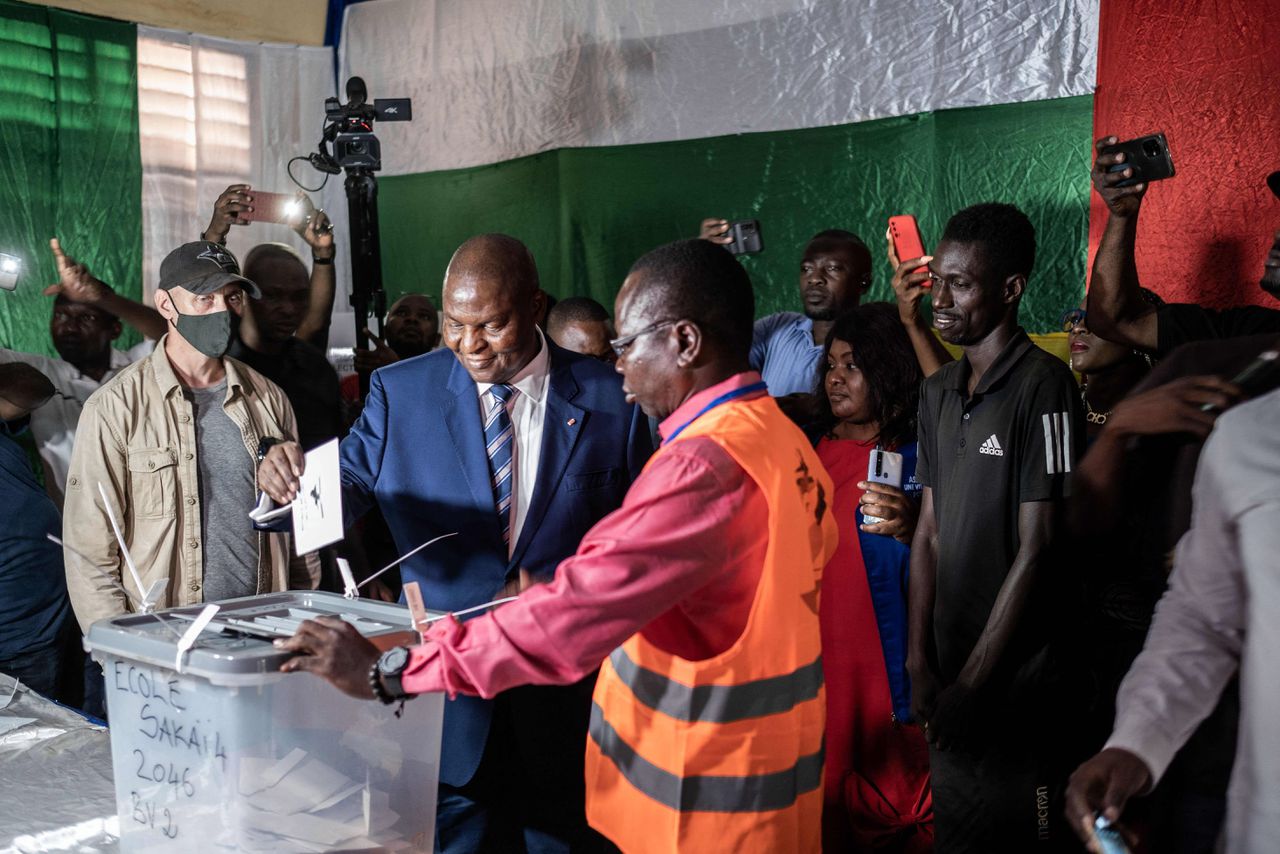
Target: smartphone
907 244
10 267
1108 838
1258 377
883 467
294 210
1148 156
746 237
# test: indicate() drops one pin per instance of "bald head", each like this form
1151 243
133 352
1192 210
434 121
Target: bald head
282 276
491 304
494 256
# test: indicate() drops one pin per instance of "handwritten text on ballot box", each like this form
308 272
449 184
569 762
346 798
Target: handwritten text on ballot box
231 755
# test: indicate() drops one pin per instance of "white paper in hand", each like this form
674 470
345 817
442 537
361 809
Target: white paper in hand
317 511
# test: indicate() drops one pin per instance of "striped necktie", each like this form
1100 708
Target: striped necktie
498 440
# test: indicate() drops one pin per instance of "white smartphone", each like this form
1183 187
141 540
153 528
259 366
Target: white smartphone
883 467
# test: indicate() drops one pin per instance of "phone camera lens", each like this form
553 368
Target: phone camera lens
1151 148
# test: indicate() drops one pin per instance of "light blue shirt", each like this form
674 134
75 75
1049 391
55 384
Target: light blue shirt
782 350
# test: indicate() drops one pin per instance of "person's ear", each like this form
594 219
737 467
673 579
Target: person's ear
116 330
1013 288
689 342
164 303
539 304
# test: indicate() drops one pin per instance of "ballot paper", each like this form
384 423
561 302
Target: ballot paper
299 803
317 511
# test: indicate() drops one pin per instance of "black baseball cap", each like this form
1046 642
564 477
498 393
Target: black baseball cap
203 267
1273 181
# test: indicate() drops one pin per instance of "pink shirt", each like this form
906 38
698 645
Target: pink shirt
680 560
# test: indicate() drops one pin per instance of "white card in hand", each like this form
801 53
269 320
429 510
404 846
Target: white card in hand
317 511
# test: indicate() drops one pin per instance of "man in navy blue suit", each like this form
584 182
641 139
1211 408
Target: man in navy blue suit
520 447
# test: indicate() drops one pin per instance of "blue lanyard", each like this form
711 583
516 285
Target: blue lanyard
722 399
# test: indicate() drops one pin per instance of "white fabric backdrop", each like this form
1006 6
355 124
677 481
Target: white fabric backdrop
214 112
493 80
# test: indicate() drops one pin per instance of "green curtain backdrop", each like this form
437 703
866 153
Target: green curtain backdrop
69 162
588 213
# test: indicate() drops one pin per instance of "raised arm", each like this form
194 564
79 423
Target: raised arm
77 284
1175 407
1117 311
909 288
314 328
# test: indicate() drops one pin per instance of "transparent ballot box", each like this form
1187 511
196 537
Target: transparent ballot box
225 753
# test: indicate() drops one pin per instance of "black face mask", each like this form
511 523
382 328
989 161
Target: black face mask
208 333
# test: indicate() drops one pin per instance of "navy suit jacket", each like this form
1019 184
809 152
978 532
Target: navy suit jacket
418 452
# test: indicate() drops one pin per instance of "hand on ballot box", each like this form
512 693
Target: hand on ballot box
333 650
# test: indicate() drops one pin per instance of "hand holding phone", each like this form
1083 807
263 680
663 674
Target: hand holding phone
747 239
883 467
904 236
1109 840
1148 157
293 210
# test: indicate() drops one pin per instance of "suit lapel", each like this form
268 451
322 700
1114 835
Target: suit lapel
461 413
561 427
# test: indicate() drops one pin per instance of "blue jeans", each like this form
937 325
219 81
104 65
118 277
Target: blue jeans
38 670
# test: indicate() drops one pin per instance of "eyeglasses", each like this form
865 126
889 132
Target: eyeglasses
620 345
1073 318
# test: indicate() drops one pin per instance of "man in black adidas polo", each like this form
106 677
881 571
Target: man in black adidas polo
999 434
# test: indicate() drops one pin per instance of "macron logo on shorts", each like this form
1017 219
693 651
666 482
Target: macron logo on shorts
992 447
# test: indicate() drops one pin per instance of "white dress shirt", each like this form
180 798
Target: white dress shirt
53 426
528 410
1221 613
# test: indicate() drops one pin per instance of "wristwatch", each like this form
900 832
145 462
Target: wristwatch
265 444
316 259
384 676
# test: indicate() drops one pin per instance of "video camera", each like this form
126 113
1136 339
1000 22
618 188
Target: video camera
349 128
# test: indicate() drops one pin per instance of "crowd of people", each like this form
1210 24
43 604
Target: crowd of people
867 576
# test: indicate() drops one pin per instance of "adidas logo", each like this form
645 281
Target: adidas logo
992 447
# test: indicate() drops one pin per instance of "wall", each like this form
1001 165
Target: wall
293 21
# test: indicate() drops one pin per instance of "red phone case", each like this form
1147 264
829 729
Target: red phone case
268 207
907 244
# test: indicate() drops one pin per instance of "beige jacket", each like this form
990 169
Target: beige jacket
137 438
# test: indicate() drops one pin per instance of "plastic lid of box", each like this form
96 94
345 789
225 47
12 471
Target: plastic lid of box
237 647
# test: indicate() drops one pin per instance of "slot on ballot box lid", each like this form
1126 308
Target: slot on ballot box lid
237 647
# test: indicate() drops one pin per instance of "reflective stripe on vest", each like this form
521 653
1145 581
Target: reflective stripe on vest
720 704
759 793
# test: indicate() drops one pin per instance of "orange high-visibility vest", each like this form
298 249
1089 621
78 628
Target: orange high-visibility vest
726 754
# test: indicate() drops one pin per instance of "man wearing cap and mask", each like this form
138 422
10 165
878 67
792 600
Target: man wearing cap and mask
174 441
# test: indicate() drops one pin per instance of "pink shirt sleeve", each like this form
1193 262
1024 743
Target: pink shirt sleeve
680 519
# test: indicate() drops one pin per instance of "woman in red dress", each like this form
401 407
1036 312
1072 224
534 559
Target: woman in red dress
877 794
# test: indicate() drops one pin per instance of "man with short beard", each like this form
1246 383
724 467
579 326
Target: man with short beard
835 272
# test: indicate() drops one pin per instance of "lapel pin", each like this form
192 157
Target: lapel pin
572 421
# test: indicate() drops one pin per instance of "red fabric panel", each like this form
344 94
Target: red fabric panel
1207 73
